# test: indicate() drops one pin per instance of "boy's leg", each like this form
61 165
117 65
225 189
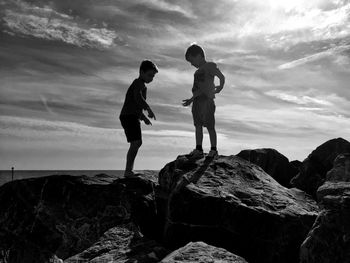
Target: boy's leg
198 151
199 135
131 155
210 124
213 137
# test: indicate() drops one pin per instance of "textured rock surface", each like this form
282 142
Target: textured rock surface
273 163
329 239
231 203
120 245
201 252
63 215
315 167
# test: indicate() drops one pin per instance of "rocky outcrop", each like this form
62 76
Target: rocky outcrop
273 163
123 243
231 203
201 252
329 238
63 215
315 167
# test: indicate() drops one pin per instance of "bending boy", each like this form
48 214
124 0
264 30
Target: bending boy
132 112
204 89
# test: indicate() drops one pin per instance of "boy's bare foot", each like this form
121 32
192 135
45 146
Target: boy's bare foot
131 174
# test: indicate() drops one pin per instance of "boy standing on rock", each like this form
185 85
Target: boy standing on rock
203 91
132 112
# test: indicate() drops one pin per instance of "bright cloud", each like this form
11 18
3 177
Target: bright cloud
48 24
286 65
324 54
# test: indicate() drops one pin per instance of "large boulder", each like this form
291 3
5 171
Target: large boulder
62 215
273 163
202 252
231 203
315 167
122 244
329 238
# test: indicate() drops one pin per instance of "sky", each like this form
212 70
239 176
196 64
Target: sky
65 67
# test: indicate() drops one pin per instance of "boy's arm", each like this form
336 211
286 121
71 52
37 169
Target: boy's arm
145 119
195 94
221 77
139 99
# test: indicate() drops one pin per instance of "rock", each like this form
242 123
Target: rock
315 167
201 252
123 243
62 215
273 163
231 203
296 164
329 238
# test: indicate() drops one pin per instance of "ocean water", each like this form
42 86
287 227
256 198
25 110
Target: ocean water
6 175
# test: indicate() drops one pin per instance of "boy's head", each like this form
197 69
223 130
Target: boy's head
195 55
148 70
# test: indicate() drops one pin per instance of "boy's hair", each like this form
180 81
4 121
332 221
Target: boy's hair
147 65
194 50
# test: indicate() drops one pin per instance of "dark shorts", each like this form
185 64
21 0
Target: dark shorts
203 110
132 127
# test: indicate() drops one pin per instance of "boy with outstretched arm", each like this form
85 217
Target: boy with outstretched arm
132 112
203 90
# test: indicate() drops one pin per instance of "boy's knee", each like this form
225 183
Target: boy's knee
211 129
137 143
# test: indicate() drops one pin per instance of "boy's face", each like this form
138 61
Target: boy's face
195 60
147 76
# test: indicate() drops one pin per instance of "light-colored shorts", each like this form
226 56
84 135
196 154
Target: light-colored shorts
203 110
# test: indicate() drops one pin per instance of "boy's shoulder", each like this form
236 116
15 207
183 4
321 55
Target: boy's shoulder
138 84
208 66
211 64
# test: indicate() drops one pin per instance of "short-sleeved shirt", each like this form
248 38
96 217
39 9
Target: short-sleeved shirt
135 99
204 80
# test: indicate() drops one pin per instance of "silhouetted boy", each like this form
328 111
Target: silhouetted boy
203 91
132 112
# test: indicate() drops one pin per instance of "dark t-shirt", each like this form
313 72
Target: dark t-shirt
135 99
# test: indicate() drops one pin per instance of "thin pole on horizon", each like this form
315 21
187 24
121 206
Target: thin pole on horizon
12 172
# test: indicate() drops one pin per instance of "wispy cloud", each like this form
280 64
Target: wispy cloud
65 67
168 7
300 100
45 23
324 54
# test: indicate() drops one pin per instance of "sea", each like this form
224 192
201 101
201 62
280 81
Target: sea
6 175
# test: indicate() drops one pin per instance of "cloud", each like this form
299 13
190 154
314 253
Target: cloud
80 87
300 100
45 23
168 7
324 54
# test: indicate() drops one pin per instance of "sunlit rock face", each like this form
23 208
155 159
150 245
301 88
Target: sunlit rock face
202 252
329 238
314 168
273 163
231 203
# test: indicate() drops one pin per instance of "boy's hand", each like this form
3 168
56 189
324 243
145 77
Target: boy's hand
187 102
147 121
218 89
151 114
